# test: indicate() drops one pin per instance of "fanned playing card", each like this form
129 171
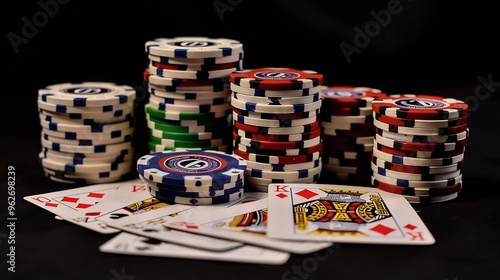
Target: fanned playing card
129 244
338 213
246 222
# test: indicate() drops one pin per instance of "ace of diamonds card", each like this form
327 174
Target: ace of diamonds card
338 213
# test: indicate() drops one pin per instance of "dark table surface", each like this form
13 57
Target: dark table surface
440 53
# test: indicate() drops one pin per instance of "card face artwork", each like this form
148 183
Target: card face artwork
245 222
348 214
130 244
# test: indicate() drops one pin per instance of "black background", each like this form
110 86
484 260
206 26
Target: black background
431 47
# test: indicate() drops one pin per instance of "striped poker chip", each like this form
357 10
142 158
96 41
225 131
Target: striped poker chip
163 92
285 175
277 159
87 94
183 102
274 116
424 138
98 169
418 154
274 145
104 150
275 93
87 128
78 158
177 115
193 108
193 47
422 192
197 61
424 170
196 192
276 100
172 199
276 109
61 108
86 142
274 123
275 152
412 176
86 118
276 78
173 84
283 167
188 74
417 183
420 131
197 67
255 181
191 167
416 146
277 130
420 123
278 138
417 161
121 134
425 107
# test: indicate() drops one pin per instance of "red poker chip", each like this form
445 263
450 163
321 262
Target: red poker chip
425 107
424 170
277 159
269 116
278 138
421 123
349 96
419 146
418 154
279 152
276 78
274 145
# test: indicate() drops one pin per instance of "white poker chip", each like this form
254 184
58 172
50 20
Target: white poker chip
87 94
193 47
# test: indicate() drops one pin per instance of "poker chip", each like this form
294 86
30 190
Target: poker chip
272 78
278 138
188 79
274 123
87 94
419 146
347 131
194 177
423 107
87 132
294 174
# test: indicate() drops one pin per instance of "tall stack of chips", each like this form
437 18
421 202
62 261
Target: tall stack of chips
276 125
86 131
193 177
419 146
189 104
347 131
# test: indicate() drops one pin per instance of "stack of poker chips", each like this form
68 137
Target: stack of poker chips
419 146
86 131
276 125
347 131
193 177
189 102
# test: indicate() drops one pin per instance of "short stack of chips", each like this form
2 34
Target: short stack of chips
276 125
86 131
419 146
189 103
193 177
347 131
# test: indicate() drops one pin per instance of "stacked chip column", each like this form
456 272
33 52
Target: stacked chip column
419 146
189 103
276 126
86 132
347 131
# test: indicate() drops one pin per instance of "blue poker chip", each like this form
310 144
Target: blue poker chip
172 199
192 168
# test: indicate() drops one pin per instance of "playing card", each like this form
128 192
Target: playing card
149 224
341 213
130 244
73 200
246 222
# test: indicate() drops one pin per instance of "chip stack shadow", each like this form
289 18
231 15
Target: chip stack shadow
347 132
86 132
276 126
419 146
189 96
